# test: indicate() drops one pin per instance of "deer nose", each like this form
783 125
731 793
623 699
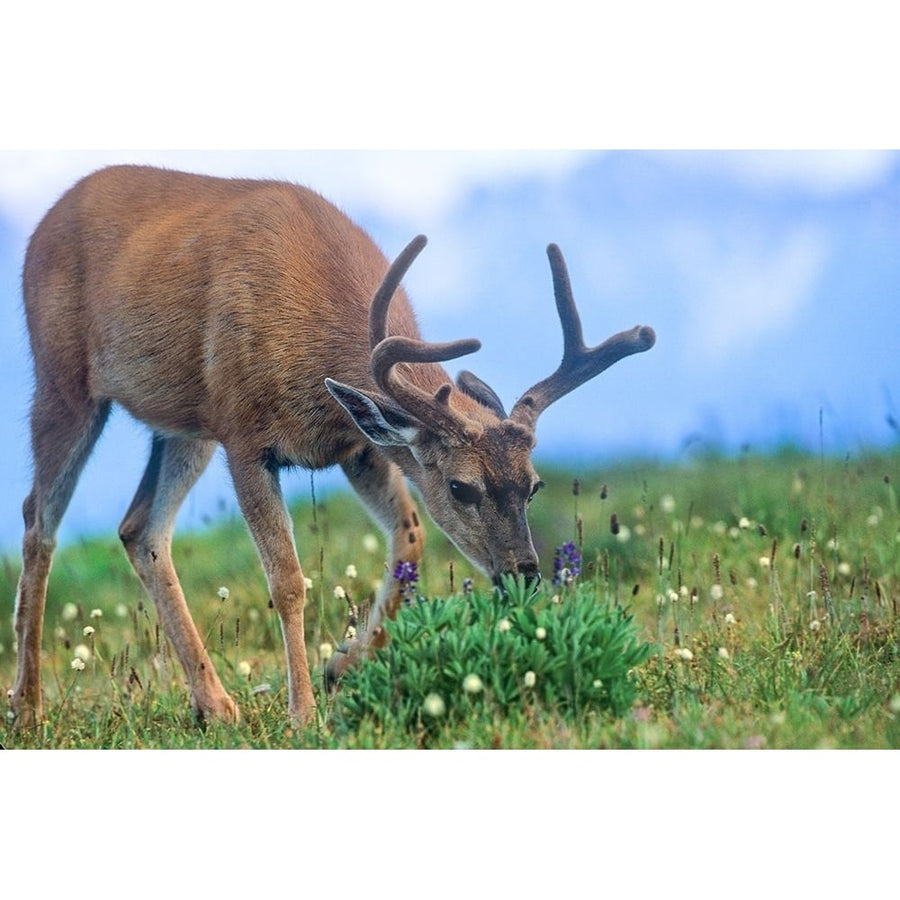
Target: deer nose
528 568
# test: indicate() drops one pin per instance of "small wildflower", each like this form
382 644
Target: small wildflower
406 572
69 612
566 564
370 543
529 679
325 651
540 633
815 625
624 535
843 568
744 523
723 653
96 613
660 599
504 625
340 593
244 668
82 652
472 683
716 592
730 619
350 571
667 504
307 583
223 593
77 664
672 595
684 654
433 706
597 683
765 562
87 631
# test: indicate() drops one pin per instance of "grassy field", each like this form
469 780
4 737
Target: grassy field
767 588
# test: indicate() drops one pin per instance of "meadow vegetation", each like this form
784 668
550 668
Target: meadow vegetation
718 603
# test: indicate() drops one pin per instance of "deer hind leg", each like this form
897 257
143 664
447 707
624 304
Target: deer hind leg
62 438
259 494
382 488
146 532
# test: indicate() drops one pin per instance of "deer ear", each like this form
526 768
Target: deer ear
382 421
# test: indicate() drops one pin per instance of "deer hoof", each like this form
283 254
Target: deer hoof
220 709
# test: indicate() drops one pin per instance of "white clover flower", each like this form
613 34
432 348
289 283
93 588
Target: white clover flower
59 633
815 625
540 633
683 591
504 625
96 613
370 543
716 592
624 535
765 562
529 679
121 610
667 504
844 568
82 652
597 683
723 653
684 654
307 583
752 583
244 668
350 571
433 706
325 651
472 683
340 593
744 523
672 595
223 593
77 664
730 619
87 631
69 612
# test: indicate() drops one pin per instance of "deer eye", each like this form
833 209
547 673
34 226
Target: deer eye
537 486
465 493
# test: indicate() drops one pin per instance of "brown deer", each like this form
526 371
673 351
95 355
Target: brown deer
237 312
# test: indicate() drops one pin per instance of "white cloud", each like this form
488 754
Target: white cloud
743 288
818 172
415 187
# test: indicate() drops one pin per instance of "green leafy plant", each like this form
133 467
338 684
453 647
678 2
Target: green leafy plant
494 653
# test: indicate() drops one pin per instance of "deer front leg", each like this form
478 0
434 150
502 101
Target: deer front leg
262 505
382 488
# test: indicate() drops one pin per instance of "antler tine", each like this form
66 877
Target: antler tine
579 363
388 352
381 301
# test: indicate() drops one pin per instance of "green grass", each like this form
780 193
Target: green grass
767 586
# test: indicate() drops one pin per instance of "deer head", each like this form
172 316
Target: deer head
470 459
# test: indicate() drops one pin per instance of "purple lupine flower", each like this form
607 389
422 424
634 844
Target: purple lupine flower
566 564
406 573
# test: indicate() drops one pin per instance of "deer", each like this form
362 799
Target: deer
255 316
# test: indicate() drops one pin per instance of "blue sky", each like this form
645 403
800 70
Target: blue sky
771 278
